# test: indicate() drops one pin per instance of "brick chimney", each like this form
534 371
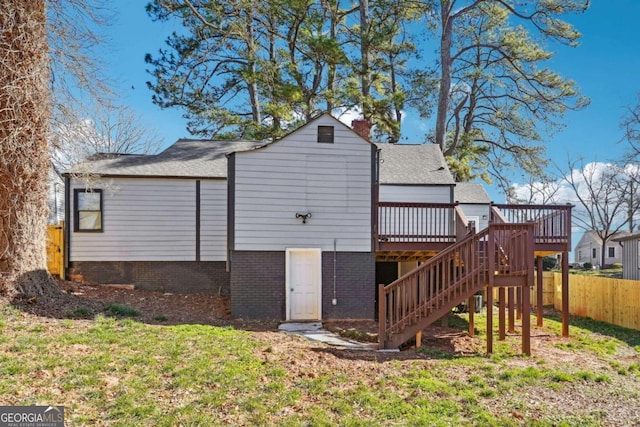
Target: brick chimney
362 127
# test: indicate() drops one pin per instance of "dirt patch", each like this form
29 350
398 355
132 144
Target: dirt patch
86 300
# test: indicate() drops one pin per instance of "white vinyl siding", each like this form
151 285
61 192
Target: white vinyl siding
143 220
300 175
55 198
213 220
415 193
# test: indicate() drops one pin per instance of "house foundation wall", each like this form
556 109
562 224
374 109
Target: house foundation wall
180 277
258 285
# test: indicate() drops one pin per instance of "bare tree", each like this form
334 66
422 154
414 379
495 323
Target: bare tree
105 128
75 32
631 126
601 193
24 157
536 191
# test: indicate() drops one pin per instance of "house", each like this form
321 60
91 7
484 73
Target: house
303 228
589 249
630 244
55 196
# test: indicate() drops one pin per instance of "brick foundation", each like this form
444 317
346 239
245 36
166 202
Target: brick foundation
258 285
180 277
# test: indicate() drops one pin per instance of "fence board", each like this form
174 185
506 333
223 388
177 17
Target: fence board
55 250
548 291
615 301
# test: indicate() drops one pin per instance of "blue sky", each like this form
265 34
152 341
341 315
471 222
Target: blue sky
606 67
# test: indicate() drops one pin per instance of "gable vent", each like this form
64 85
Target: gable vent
325 134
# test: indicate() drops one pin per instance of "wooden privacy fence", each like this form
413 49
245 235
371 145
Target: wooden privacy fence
549 297
55 249
614 301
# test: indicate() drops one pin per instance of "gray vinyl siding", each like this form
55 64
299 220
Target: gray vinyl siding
143 220
213 220
416 193
479 211
630 259
332 181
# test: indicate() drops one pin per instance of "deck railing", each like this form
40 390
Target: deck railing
416 222
553 222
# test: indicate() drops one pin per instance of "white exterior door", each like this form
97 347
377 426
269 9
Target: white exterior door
304 284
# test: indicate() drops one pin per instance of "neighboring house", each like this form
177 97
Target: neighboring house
475 203
589 249
630 255
55 196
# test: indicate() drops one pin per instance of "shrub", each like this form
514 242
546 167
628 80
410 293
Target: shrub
122 310
549 263
587 266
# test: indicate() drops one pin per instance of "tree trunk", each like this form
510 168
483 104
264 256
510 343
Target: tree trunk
445 73
364 55
24 155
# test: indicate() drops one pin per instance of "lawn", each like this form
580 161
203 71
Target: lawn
119 371
612 273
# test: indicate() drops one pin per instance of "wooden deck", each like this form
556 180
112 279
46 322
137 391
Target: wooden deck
418 231
503 256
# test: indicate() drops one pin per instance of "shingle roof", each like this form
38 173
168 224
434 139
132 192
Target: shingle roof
185 158
413 164
467 192
624 236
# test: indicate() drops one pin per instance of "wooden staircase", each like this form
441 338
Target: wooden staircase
500 255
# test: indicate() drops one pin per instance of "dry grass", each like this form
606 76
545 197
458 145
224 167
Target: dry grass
123 372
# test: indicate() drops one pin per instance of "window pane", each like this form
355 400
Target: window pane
89 201
90 220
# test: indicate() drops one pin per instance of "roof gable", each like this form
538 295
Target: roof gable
413 164
308 132
470 193
592 236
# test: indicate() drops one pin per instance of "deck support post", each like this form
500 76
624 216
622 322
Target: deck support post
382 317
526 320
511 303
501 314
518 303
472 309
526 295
419 339
539 300
490 318
565 294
